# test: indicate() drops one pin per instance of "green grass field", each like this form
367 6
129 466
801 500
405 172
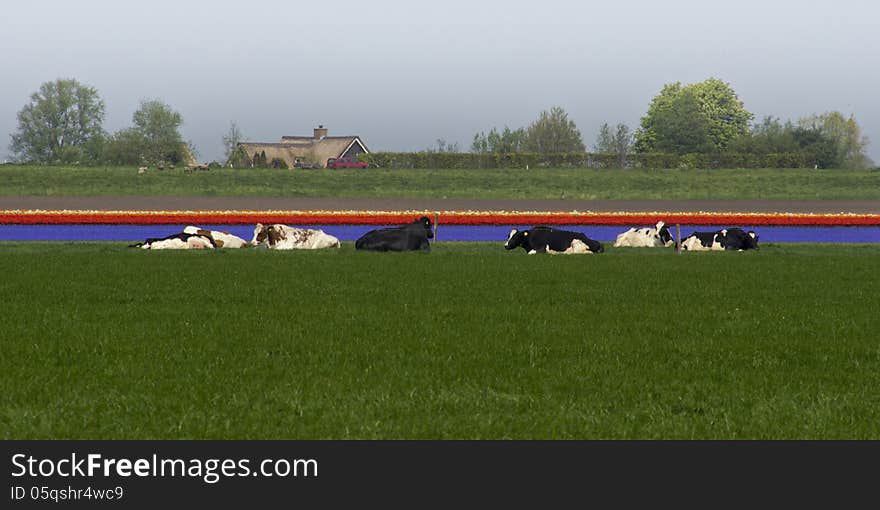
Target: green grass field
469 341
544 183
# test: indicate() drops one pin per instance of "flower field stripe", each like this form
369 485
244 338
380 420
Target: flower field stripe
81 217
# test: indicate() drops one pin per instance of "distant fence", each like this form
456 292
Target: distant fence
466 160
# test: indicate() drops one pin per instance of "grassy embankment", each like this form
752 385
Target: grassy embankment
555 183
469 341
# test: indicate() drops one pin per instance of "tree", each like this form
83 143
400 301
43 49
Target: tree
158 124
618 142
725 114
711 103
501 143
820 150
553 133
125 147
480 144
443 146
680 128
231 140
766 137
845 135
62 123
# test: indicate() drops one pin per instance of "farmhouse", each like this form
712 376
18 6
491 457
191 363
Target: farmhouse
308 150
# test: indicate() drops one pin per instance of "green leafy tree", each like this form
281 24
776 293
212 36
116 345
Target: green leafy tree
62 123
766 137
819 149
125 147
159 125
846 136
719 110
617 141
680 128
726 115
553 133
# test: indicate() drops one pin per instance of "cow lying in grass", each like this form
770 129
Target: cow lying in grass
410 237
552 241
649 237
283 237
181 241
221 239
725 239
193 238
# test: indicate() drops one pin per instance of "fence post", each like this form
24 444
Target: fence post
436 221
678 238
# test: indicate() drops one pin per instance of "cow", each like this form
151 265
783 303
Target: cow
221 239
283 237
181 241
543 239
725 239
657 235
738 239
703 241
410 237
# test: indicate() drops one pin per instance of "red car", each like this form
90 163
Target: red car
346 163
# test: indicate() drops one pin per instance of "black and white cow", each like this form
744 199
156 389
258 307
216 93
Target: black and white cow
738 239
550 240
657 235
725 239
181 241
410 237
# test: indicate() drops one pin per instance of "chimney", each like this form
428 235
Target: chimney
320 132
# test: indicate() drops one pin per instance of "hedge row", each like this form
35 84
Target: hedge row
464 160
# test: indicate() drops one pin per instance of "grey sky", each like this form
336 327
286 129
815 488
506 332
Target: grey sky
402 74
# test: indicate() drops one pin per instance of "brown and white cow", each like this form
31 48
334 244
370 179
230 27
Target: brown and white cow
283 237
221 239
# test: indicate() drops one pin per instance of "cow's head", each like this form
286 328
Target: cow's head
270 233
516 239
426 223
260 233
664 235
753 239
595 246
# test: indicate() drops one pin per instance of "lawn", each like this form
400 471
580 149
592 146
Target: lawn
469 341
543 183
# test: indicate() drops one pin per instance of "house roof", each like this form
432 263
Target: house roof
293 147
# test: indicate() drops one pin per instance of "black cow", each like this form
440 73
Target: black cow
410 237
550 240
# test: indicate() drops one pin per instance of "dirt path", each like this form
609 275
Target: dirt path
401 204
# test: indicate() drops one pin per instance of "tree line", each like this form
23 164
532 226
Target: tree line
62 123
696 123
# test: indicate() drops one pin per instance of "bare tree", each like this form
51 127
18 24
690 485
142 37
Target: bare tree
231 140
619 142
